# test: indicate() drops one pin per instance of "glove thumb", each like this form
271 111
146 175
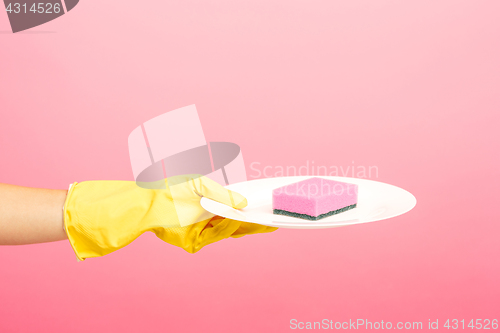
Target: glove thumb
206 187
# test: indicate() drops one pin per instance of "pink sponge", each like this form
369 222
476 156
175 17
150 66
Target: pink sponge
314 198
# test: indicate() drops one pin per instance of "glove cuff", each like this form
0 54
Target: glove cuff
67 218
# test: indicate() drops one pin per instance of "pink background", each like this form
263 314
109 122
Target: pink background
409 86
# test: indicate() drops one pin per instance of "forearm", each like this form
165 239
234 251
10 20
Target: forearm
30 215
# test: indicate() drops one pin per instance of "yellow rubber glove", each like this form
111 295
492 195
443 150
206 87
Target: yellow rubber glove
103 216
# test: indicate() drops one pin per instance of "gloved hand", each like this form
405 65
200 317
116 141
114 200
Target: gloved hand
103 216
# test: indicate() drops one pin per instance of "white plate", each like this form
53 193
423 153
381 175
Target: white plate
376 201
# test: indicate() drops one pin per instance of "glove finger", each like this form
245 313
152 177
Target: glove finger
217 229
247 228
220 228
